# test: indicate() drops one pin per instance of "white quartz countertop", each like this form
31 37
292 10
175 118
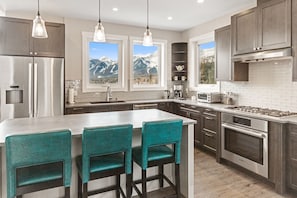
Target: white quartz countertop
215 106
77 122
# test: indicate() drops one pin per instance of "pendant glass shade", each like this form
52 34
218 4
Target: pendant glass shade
99 35
147 38
39 30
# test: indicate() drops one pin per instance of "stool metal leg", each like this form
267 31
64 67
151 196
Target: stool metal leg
85 190
161 172
118 182
67 192
79 184
128 185
177 181
144 191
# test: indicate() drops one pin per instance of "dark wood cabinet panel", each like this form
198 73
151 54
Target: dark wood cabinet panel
16 39
210 128
15 36
54 45
265 27
274 24
292 157
166 106
226 69
121 107
244 31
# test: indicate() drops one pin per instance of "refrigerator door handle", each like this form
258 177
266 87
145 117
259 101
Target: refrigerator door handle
31 102
35 90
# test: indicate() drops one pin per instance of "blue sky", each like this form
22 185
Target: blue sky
140 49
97 50
207 45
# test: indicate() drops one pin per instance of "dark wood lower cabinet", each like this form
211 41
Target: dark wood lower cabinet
206 131
99 108
291 157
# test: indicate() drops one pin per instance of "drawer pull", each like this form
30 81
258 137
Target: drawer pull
209 135
77 108
208 118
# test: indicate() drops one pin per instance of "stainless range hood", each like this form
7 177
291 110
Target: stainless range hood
263 56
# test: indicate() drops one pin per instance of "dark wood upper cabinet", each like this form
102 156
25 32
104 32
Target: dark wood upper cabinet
54 45
15 36
16 39
266 27
244 31
226 70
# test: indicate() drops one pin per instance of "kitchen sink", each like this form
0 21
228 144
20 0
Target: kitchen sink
106 102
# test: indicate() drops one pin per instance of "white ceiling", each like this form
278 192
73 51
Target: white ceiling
185 13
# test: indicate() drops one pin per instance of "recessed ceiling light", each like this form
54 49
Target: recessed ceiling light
115 9
169 18
200 1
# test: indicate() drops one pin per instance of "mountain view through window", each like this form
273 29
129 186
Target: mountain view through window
145 65
207 63
103 63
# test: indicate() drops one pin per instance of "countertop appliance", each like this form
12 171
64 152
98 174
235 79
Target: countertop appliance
244 141
178 91
31 87
213 97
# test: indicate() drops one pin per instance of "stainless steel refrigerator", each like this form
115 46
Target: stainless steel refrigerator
31 87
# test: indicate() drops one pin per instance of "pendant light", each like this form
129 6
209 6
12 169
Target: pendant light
147 38
39 30
99 35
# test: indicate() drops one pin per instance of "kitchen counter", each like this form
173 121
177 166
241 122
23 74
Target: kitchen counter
77 122
215 106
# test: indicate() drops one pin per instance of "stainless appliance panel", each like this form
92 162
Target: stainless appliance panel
15 87
49 87
244 144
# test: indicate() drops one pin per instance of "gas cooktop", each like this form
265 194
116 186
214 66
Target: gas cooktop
263 111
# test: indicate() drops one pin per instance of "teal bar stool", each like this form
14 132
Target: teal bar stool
38 161
154 151
106 151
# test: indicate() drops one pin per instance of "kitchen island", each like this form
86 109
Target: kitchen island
76 123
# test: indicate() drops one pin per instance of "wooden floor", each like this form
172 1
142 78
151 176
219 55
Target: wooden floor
214 180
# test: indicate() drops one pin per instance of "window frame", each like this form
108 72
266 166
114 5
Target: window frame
162 85
194 66
122 80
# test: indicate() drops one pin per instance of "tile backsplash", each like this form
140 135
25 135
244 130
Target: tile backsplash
270 86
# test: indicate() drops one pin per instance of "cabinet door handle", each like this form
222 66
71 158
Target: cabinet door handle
208 118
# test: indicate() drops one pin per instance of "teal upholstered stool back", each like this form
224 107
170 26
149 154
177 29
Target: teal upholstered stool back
161 133
36 149
104 141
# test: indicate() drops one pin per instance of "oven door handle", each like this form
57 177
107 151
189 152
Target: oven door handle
245 131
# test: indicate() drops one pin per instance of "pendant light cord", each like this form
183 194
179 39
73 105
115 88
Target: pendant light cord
147 14
38 9
99 12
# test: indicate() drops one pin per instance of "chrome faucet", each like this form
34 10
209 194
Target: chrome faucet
108 94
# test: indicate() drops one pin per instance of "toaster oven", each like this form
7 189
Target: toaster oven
213 97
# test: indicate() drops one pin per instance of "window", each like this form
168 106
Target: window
148 68
206 62
104 63
201 75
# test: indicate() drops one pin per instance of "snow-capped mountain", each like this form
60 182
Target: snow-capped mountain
105 67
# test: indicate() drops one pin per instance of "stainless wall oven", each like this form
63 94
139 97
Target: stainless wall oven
245 142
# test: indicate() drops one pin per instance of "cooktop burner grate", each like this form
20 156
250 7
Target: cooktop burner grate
263 111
